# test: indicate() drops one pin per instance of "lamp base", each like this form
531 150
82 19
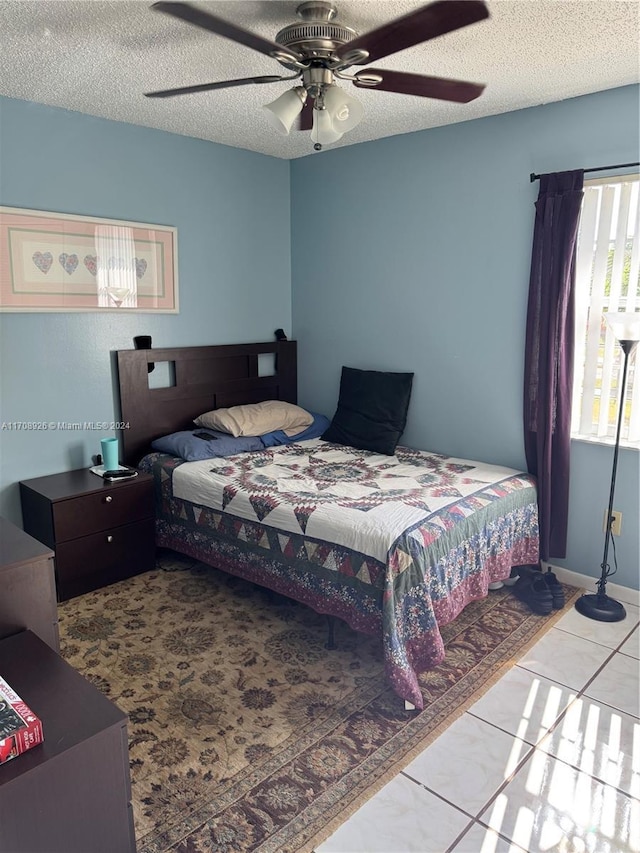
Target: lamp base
601 607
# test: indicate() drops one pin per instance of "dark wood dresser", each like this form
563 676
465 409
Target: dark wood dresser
101 531
27 586
71 793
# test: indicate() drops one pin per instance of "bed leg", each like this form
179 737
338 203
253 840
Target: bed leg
331 621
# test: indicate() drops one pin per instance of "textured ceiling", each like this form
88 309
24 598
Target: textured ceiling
99 57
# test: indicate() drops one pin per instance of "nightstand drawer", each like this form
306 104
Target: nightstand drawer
102 510
94 561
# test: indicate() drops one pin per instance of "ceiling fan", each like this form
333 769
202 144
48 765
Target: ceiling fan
319 51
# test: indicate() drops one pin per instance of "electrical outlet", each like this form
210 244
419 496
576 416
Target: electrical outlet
616 522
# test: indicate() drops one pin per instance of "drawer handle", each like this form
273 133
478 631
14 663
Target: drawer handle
108 499
109 538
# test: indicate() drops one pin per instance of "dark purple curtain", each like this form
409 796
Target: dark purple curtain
548 364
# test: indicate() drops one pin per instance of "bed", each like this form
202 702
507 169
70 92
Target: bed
395 546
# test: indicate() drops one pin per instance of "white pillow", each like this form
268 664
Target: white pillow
257 418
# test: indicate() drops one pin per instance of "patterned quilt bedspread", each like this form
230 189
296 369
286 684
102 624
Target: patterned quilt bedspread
396 545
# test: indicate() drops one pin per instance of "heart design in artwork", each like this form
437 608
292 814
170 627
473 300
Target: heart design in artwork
141 267
91 263
43 261
68 262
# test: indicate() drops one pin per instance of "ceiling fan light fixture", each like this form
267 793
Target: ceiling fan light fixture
284 110
346 112
323 131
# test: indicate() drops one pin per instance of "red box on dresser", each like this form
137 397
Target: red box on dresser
20 729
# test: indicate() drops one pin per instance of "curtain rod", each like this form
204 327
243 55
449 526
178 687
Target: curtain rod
533 177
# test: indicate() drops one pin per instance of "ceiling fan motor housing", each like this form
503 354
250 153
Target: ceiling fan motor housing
316 37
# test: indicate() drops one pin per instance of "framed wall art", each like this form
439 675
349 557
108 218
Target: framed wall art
58 262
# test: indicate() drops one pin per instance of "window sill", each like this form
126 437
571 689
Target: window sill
604 441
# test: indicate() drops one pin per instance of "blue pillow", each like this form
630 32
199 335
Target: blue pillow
314 430
189 447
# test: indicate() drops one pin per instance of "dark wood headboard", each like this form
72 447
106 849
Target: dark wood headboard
206 378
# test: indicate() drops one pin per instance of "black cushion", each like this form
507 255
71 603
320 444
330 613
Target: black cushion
372 410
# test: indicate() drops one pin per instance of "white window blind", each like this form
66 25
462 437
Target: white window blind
607 279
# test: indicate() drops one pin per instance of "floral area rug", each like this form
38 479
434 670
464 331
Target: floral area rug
245 732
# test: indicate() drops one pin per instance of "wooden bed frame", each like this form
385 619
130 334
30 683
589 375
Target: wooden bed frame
205 378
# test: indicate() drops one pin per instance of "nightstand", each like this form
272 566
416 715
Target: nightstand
101 531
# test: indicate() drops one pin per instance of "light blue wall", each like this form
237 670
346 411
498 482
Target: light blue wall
231 209
415 255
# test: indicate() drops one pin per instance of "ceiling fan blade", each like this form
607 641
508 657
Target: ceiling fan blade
210 22
207 87
423 24
305 119
418 84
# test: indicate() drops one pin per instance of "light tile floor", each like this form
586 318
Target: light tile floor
547 760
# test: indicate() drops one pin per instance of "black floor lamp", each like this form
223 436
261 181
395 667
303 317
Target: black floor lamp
600 606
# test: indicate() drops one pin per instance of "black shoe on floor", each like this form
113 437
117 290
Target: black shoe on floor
532 588
555 588
519 571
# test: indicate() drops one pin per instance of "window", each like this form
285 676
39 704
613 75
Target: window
607 279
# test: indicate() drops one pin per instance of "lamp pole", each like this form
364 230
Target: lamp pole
601 606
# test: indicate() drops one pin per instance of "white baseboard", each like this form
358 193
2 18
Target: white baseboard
586 582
